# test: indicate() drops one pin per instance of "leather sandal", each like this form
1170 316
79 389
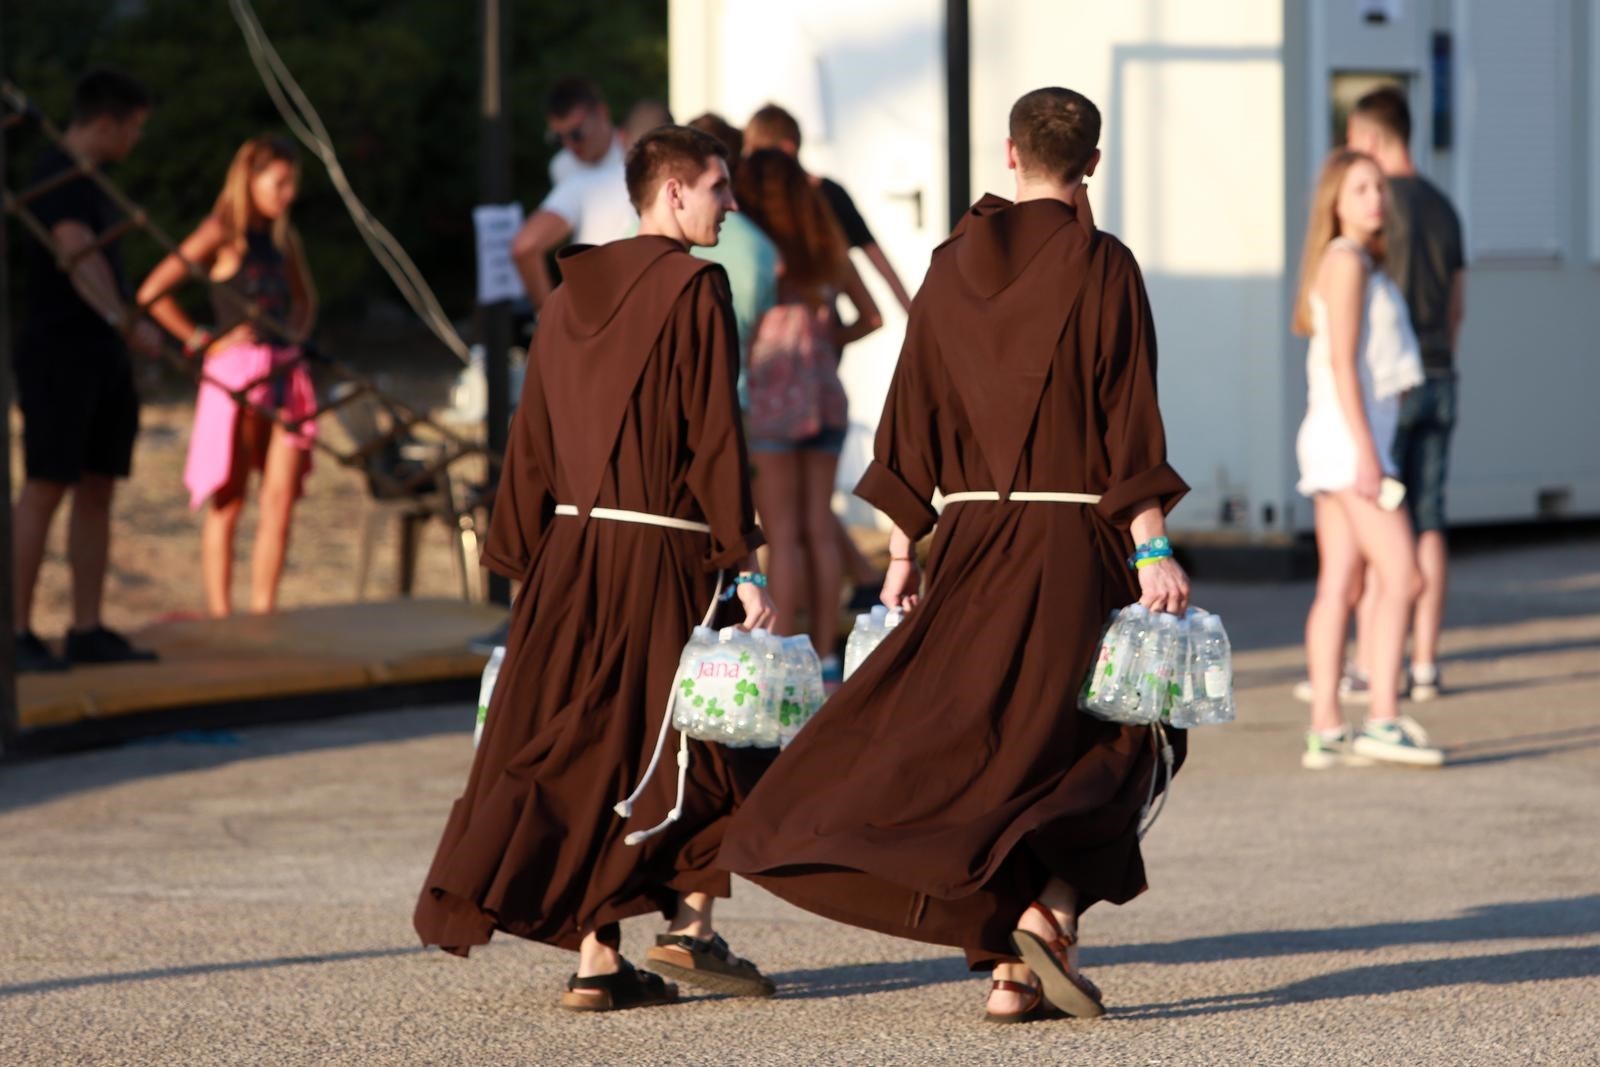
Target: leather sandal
1036 1007
709 964
625 988
1062 985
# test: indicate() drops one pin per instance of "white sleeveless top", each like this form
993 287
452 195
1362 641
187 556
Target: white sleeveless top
1387 363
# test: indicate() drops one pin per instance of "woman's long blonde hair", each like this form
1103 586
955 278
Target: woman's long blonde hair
234 209
1323 226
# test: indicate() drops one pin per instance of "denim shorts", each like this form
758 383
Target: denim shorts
827 440
1422 449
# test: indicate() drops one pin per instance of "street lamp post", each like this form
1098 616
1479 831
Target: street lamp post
494 185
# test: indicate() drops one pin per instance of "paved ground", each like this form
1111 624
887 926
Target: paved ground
246 898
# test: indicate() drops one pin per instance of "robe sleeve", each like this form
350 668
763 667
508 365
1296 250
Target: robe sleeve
524 502
718 473
1135 440
903 474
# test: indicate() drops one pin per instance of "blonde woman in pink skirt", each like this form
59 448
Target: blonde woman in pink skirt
248 246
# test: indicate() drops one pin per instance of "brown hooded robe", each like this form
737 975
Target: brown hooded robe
628 403
938 790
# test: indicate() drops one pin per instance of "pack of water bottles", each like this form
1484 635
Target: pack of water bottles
744 689
1155 667
491 674
870 630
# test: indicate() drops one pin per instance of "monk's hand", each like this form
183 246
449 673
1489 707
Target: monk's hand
901 585
759 614
1164 587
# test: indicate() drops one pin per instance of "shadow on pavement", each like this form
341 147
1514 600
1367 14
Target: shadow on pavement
1565 917
36 780
1534 965
55 985
858 979
1527 746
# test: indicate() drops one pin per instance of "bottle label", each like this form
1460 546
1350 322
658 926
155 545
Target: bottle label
1217 682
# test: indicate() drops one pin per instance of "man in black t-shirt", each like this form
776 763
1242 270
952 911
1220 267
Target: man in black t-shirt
74 377
1424 255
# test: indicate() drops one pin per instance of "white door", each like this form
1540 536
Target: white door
866 82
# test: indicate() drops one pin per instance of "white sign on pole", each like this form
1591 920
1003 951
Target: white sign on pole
496 225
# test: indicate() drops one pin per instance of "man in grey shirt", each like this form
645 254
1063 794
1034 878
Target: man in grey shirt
1424 255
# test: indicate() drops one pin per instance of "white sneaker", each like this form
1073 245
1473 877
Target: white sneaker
1347 686
1327 750
1425 683
1401 741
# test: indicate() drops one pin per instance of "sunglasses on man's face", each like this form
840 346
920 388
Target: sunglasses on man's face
572 135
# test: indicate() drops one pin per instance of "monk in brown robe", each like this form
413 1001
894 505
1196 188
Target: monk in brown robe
624 496
951 791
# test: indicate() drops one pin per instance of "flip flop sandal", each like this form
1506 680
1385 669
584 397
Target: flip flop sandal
1071 992
627 988
1035 1010
709 964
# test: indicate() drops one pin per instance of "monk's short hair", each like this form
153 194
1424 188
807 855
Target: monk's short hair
668 152
1056 132
769 128
569 94
1387 109
109 94
723 130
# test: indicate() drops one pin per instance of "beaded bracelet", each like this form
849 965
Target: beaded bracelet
757 579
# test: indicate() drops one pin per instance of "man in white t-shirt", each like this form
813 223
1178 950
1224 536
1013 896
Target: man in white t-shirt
589 202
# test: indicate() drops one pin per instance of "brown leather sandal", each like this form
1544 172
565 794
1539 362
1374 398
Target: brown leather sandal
1063 986
1035 1009
707 963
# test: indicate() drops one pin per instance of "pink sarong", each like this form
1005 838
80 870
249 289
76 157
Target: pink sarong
216 416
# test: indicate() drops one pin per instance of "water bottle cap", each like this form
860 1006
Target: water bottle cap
727 634
1212 622
879 611
704 633
863 620
759 632
1138 611
893 619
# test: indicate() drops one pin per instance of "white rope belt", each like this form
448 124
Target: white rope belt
643 518
625 808
1024 497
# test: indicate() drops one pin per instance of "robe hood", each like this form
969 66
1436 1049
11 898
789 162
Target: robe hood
1019 269
594 337
599 278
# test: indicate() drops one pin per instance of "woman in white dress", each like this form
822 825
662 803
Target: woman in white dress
1362 357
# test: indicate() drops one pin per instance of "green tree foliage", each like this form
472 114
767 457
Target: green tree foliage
395 81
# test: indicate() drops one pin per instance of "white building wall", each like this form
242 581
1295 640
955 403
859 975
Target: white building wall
1215 124
1192 180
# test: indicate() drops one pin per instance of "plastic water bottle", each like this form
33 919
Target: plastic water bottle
1214 658
763 732
1121 699
853 654
1101 672
491 674
802 687
869 631
1155 669
688 703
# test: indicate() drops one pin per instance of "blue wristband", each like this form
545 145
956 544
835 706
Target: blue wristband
757 580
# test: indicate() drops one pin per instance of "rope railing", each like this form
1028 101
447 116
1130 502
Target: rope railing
403 419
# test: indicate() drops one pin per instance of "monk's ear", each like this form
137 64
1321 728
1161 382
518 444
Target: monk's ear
1011 155
672 190
1094 161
